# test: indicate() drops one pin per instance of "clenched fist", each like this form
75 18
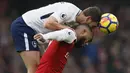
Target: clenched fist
39 38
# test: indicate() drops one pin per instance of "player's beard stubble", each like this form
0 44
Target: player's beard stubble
79 43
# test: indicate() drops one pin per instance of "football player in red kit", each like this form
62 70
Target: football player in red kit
61 44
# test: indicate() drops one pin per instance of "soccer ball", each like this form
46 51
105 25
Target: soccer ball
109 23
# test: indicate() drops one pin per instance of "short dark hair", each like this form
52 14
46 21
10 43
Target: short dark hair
76 25
94 12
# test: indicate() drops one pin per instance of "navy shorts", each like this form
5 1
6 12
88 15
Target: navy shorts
23 36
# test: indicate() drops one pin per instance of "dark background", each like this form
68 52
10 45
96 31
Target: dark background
106 54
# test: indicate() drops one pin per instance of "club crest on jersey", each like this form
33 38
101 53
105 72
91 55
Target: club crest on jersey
34 43
63 16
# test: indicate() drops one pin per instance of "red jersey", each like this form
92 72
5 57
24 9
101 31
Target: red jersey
55 57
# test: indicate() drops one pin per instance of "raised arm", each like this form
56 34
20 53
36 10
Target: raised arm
52 23
66 35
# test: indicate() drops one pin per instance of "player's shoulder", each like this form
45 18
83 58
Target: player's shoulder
66 4
69 31
70 35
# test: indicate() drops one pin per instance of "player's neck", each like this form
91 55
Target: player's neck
80 19
77 35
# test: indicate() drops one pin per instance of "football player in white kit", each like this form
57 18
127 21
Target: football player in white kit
43 20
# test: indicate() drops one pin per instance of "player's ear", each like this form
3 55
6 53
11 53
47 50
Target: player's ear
83 32
88 19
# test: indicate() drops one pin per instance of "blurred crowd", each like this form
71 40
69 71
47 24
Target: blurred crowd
106 54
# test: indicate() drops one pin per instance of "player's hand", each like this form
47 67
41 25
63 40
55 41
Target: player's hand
39 38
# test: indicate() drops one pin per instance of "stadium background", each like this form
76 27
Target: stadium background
106 54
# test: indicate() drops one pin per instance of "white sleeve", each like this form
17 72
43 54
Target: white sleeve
66 13
66 35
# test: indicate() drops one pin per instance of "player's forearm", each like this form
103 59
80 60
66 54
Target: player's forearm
55 26
56 35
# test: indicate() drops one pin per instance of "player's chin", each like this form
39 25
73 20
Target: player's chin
79 44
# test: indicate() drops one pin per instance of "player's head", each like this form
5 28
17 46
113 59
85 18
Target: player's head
90 16
84 34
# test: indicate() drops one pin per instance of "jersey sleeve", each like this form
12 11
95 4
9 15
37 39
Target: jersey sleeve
66 13
66 35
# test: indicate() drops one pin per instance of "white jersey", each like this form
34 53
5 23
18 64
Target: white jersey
66 35
62 11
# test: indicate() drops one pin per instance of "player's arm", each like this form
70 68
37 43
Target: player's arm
66 35
62 15
52 23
